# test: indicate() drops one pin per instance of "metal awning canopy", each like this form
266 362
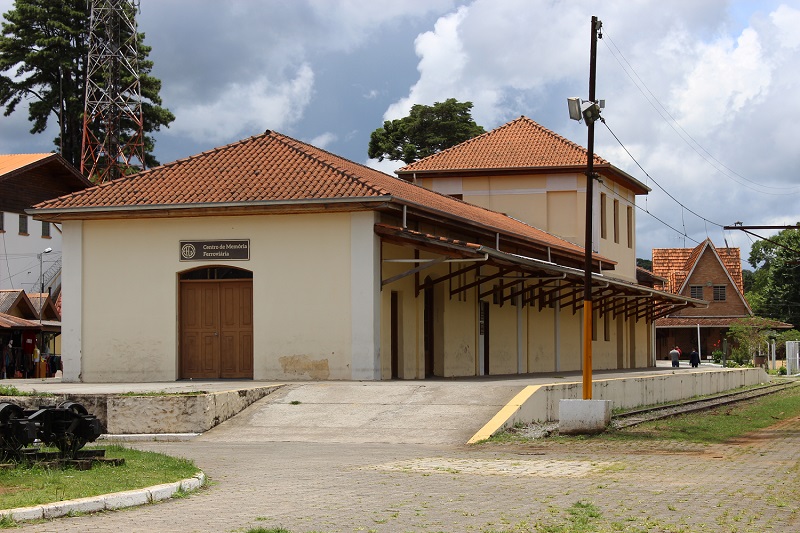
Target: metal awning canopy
533 282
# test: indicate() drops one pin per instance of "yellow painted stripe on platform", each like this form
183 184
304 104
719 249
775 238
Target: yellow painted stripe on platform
502 416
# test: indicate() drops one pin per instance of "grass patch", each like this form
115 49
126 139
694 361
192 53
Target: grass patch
27 486
707 427
11 390
722 423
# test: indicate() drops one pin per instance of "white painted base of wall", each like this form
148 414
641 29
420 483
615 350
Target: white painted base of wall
583 417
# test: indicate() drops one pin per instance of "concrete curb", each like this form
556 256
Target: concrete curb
148 437
105 502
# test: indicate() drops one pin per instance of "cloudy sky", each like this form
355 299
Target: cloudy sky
701 93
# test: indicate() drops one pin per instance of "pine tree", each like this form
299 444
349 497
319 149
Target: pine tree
43 53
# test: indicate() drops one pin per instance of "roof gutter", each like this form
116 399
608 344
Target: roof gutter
42 211
557 168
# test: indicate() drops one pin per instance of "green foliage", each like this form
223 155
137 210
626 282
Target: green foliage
716 356
646 264
748 335
725 422
774 290
425 131
43 50
28 486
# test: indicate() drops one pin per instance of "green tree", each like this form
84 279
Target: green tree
43 52
775 291
749 335
425 131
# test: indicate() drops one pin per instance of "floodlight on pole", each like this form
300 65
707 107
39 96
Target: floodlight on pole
585 110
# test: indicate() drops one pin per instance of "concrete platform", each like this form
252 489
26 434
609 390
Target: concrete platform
433 411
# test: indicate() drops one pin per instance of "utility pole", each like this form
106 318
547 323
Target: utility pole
587 279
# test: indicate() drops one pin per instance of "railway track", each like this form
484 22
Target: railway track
638 416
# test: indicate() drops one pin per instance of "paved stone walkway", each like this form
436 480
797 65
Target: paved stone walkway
749 486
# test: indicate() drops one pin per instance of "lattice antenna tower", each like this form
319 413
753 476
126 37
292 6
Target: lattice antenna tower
113 126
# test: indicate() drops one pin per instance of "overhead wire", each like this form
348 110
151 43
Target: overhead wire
683 134
642 209
698 215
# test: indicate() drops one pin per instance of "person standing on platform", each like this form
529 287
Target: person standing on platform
675 355
694 358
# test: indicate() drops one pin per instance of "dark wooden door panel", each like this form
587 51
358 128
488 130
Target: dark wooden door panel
199 337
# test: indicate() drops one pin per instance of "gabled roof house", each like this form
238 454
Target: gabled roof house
707 273
26 180
270 258
535 175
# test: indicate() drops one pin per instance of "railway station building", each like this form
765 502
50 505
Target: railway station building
271 259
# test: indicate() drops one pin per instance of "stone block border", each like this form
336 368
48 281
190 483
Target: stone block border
116 500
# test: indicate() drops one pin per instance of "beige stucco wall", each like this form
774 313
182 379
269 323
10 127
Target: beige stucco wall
522 340
541 339
555 203
304 295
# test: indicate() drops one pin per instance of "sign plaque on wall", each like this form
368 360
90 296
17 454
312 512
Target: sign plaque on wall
215 250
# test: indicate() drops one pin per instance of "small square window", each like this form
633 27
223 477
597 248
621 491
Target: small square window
719 293
696 291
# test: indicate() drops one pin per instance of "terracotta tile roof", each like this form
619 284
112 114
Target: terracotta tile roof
731 258
273 167
674 264
707 322
521 143
9 163
12 164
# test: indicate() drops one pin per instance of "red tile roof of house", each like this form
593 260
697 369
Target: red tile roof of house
519 144
708 322
674 264
272 167
11 162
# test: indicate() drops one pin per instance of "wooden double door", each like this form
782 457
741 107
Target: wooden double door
216 329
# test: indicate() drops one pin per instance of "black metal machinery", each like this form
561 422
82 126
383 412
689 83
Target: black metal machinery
67 426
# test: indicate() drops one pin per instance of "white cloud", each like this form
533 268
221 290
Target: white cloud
441 58
244 109
324 140
386 166
725 73
727 76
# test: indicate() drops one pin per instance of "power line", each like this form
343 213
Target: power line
701 217
683 134
642 209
